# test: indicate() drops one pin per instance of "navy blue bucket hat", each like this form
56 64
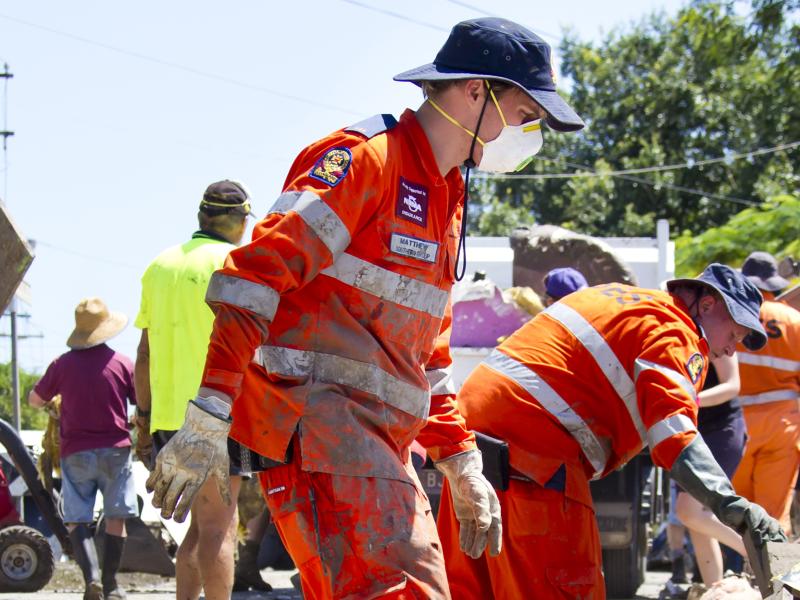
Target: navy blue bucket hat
762 269
493 48
742 299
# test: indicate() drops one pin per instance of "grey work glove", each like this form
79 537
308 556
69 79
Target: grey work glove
475 502
198 450
699 474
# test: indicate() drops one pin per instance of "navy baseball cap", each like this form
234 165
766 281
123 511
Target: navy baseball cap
492 48
225 196
742 299
561 282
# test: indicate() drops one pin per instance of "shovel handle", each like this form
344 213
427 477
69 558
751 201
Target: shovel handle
759 561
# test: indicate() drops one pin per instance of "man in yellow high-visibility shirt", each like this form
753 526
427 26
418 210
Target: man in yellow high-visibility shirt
176 323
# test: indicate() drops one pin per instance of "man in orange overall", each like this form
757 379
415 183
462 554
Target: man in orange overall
769 395
576 393
331 336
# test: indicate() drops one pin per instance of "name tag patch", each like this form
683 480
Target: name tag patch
414 248
412 202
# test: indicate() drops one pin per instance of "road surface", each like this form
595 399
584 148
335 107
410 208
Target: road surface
64 586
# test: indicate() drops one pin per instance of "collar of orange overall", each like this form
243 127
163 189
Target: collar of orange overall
424 151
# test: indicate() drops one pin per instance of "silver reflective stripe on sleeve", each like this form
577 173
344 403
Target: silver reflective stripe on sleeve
255 297
441 381
318 216
396 288
641 365
594 450
668 427
604 357
365 377
764 360
774 396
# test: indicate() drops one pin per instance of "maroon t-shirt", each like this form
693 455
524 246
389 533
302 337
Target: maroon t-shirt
95 385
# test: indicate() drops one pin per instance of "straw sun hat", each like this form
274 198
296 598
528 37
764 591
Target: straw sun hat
94 324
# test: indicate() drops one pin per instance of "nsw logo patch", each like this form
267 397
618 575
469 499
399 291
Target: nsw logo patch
412 202
332 166
695 367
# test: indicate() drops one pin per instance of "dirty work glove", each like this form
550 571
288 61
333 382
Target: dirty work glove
699 474
198 450
475 502
746 516
53 408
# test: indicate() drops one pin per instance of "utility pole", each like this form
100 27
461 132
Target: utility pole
15 368
5 133
6 74
14 314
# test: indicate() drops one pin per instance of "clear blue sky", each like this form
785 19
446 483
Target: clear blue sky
124 112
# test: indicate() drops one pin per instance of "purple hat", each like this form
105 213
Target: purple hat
561 282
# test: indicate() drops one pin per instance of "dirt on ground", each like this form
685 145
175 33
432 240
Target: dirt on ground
68 578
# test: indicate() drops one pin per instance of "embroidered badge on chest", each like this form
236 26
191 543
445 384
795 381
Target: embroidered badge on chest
332 166
412 202
695 367
412 247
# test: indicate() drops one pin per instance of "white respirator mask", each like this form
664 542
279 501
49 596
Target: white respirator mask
513 149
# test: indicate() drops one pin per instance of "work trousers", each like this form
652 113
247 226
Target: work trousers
768 470
356 537
551 549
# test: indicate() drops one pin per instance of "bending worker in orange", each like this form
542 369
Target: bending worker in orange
342 295
770 387
577 392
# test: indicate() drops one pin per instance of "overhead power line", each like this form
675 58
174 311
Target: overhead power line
647 182
90 257
691 191
656 184
396 15
180 67
653 169
486 13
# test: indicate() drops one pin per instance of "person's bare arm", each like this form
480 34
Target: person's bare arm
141 374
35 400
728 387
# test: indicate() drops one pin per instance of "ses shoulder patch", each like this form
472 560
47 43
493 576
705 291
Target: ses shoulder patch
694 367
332 166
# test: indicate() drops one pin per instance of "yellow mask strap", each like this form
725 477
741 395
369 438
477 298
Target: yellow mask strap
453 121
496 104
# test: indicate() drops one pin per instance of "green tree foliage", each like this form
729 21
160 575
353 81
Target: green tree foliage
773 227
705 83
31 418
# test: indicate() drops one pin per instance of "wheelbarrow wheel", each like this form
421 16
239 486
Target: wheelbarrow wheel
26 559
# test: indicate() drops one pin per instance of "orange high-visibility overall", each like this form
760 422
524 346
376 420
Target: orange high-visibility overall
332 334
576 392
769 395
